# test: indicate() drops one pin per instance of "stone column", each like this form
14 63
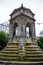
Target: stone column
10 33
24 30
11 30
19 30
33 31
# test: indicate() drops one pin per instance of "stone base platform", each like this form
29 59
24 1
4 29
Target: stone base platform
21 63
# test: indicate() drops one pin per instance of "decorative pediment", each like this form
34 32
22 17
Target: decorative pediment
22 10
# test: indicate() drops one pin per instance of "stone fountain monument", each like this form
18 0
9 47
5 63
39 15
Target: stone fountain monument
22 23
22 44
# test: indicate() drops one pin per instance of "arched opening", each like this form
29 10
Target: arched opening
28 30
15 29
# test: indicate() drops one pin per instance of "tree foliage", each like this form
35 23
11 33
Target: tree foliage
3 39
40 42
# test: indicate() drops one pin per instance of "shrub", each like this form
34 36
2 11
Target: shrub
40 42
3 39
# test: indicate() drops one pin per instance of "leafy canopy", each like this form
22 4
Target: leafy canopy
3 38
40 42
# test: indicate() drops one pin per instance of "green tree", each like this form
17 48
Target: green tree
40 42
3 39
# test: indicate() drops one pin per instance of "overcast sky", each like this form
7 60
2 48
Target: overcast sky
7 6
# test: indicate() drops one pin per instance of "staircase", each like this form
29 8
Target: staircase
33 52
12 52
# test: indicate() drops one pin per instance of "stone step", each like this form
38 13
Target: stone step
33 49
9 55
33 52
26 58
10 52
39 51
27 52
9 58
34 58
29 43
30 48
32 45
16 52
12 45
11 48
34 55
